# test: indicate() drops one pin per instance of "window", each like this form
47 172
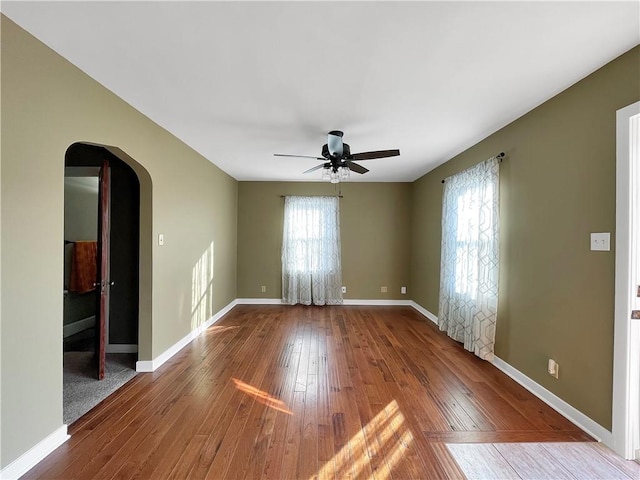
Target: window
469 240
311 267
469 257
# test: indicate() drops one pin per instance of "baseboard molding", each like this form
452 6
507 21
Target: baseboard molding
346 301
425 312
35 454
259 301
382 302
121 348
574 415
153 365
79 326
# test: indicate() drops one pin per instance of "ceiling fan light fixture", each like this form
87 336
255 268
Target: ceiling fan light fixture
334 143
335 177
344 173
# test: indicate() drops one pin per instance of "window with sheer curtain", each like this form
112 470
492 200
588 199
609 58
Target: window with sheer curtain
311 266
469 257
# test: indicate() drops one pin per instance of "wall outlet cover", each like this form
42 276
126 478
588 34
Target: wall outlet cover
601 241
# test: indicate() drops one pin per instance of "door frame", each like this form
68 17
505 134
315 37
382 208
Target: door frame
626 365
144 347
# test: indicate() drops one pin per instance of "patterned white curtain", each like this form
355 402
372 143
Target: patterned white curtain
469 258
311 266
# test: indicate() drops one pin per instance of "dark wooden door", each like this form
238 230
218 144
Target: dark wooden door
103 283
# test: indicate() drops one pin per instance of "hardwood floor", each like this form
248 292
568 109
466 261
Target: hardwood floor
306 392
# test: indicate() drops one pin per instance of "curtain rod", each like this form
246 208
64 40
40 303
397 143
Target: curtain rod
499 156
339 196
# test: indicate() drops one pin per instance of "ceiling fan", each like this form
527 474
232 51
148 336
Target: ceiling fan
337 155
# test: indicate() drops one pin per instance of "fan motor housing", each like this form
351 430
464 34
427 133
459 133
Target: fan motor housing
346 152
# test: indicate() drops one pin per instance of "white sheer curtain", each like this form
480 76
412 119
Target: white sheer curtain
469 258
311 267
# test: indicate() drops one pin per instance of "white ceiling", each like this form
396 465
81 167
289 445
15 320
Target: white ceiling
239 81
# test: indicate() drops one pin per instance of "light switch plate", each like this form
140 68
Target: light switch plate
601 241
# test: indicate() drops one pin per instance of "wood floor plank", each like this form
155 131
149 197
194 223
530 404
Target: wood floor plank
532 462
508 436
449 465
308 451
628 467
576 458
185 463
482 462
275 391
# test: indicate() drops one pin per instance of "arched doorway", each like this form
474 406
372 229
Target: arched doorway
127 332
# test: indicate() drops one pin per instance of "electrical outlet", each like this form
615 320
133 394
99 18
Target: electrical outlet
263 288
553 368
403 290
601 241
344 289
383 289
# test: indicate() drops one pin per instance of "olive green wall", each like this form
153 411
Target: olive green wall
557 185
375 234
47 105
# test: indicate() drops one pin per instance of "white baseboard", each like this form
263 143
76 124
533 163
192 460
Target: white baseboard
79 326
121 348
425 312
346 301
35 454
145 366
383 302
153 365
563 408
258 301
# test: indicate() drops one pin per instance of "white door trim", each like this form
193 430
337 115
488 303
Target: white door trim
625 371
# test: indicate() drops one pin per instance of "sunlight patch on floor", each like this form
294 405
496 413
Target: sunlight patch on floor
384 440
217 329
262 396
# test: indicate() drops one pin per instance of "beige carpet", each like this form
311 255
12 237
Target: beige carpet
82 391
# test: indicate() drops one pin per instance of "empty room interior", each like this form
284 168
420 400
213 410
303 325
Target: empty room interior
323 239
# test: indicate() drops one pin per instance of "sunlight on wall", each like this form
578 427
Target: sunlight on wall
262 397
202 289
385 438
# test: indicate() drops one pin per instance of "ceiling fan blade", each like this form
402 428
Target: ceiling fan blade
355 167
374 155
298 156
318 167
